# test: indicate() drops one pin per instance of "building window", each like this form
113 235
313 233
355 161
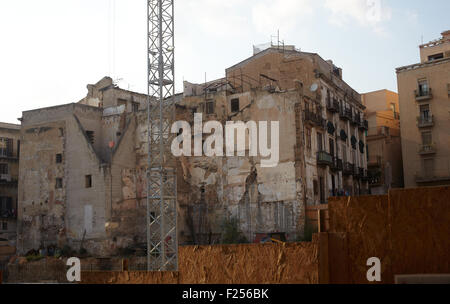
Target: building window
90 136
424 88
135 106
427 138
58 158
308 139
6 207
18 148
4 226
59 183
6 147
209 107
436 57
316 187
428 167
122 102
319 142
88 181
331 143
425 111
344 153
4 169
235 105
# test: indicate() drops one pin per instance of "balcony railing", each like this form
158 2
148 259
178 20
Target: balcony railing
349 169
315 119
364 125
364 175
427 149
346 114
375 177
425 122
356 120
332 105
324 159
423 94
337 165
8 214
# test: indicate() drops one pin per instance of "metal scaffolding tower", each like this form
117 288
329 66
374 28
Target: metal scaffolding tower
162 242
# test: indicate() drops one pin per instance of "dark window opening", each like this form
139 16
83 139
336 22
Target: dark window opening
209 107
424 88
6 207
90 136
121 102
320 142
59 183
6 147
58 158
4 226
135 107
308 139
436 56
4 169
88 181
18 148
235 105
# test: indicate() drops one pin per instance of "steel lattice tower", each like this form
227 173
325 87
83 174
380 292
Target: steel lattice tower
162 241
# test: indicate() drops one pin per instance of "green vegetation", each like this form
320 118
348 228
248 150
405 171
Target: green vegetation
231 233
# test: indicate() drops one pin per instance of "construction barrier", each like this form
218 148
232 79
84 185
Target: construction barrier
408 230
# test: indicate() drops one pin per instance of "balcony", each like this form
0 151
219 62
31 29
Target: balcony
5 178
375 178
349 169
333 105
337 165
425 122
346 114
364 125
427 149
364 175
7 214
324 159
315 119
422 95
356 120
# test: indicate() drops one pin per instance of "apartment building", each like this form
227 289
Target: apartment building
322 141
83 166
424 92
9 173
385 165
70 181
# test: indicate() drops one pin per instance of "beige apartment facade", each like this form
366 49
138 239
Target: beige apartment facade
9 174
385 165
424 92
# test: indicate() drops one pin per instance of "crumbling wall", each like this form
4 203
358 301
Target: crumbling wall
41 214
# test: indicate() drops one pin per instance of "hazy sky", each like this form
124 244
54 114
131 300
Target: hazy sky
51 49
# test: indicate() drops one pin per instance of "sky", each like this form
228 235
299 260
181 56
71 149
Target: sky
51 49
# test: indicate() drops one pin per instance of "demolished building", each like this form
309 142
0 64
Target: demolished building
83 165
